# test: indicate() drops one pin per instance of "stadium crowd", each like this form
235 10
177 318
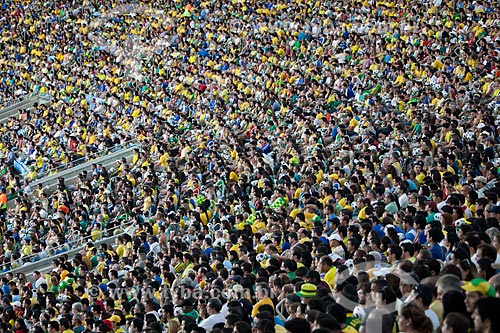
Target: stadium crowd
304 166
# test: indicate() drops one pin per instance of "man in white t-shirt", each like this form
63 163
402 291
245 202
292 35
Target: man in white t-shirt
39 279
214 307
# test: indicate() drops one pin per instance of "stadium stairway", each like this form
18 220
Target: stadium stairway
26 103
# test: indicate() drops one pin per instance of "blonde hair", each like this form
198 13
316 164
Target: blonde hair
173 326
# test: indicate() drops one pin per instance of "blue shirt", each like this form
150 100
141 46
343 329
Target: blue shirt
411 185
380 230
278 321
437 252
410 235
421 238
147 246
330 219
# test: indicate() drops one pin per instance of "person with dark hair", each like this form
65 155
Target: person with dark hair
412 319
298 325
455 322
231 319
394 253
136 325
20 326
53 326
454 301
422 294
435 236
485 269
199 329
242 327
326 267
214 307
328 321
485 315
290 267
270 309
265 326
486 251
313 277
338 312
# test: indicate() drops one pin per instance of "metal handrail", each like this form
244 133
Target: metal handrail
70 174
44 264
17 100
11 110
126 229
83 159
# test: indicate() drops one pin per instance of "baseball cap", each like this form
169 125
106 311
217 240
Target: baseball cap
335 237
115 319
494 209
481 286
307 290
431 204
16 303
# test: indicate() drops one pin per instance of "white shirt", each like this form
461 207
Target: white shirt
209 323
156 314
39 281
339 250
441 205
403 200
219 242
155 248
434 319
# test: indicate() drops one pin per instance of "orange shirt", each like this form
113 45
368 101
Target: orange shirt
3 201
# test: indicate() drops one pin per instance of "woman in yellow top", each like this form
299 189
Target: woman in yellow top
148 199
188 264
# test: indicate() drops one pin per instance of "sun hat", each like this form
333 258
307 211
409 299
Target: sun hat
307 290
494 209
481 286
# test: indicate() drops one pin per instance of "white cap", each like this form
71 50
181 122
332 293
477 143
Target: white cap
335 237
